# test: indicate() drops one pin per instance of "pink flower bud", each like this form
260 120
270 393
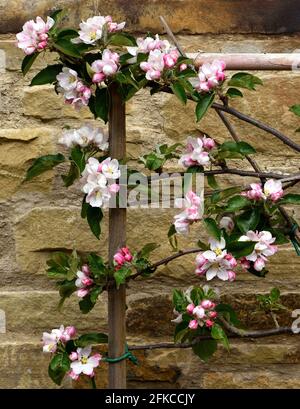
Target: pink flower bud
207 304
208 143
82 292
213 314
209 323
193 324
42 45
99 77
190 308
200 271
85 269
73 356
182 67
87 281
231 276
127 255
119 258
169 61
245 263
259 264
200 260
231 260
71 331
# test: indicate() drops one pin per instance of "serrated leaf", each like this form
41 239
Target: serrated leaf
122 39
94 216
245 80
86 305
248 220
102 104
205 101
65 46
121 275
290 198
147 250
58 367
205 349
237 203
211 180
240 248
42 164
218 333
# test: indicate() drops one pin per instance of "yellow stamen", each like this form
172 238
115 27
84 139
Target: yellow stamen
218 252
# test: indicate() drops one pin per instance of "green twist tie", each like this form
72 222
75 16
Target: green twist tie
293 238
127 355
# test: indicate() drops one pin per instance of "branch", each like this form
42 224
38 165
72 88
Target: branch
258 124
171 36
238 334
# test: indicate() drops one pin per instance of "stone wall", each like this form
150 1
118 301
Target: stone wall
41 216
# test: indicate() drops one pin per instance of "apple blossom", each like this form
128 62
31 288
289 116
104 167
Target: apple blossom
73 375
73 356
231 275
210 76
192 212
73 90
182 67
263 248
193 324
209 323
57 335
91 30
82 282
145 45
215 262
34 36
207 304
122 256
272 190
112 26
85 364
106 67
226 223
110 168
195 153
199 312
190 309
85 136
154 65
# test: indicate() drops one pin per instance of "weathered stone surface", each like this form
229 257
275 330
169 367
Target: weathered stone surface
32 312
42 102
17 148
195 17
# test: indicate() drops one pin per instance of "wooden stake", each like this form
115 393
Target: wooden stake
117 239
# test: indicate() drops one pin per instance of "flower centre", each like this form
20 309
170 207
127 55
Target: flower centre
218 251
93 35
84 360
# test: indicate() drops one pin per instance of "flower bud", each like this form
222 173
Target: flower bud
209 323
190 308
193 324
73 356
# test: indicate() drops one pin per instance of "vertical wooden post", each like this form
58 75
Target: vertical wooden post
117 239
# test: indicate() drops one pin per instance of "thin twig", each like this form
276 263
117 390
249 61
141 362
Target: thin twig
171 36
245 334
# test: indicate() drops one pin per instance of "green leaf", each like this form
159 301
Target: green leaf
179 91
102 104
205 349
205 101
241 147
122 39
94 294
181 334
295 109
290 198
179 301
58 367
121 275
245 80
28 62
172 237
203 246
245 148
65 46
195 169
240 248
248 220
47 75
236 203
94 216
67 33
212 228
84 208
224 194
153 162
86 305
275 294
96 265
78 156
93 338
57 14
218 333
211 180
71 176
228 312
234 93
147 250
42 164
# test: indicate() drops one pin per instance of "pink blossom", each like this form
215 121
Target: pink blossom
190 309
255 193
182 67
82 292
245 263
73 356
34 36
209 323
112 26
154 66
171 59
231 260
114 188
210 76
73 375
199 312
193 324
122 256
259 264
231 276
86 270
196 153
145 45
272 190
213 314
226 223
85 363
192 205
207 304
106 67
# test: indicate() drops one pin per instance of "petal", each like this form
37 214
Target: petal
211 273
